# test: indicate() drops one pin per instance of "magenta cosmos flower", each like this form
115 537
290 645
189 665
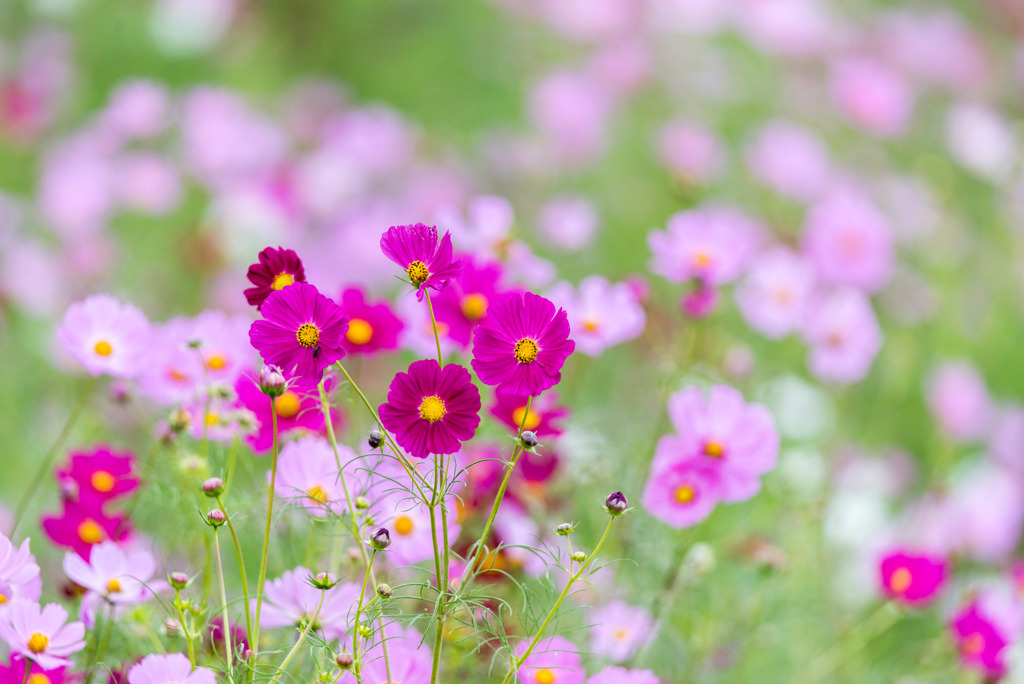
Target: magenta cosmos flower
545 413
522 345
430 410
80 526
169 669
98 476
682 493
980 642
276 270
42 635
912 579
555 660
462 305
19 573
427 261
105 336
14 673
372 328
301 331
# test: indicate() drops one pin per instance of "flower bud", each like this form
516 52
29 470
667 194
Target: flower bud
381 539
272 381
179 420
171 626
362 503
528 439
384 590
216 517
178 580
616 503
699 560
375 439
578 556
323 581
213 487
344 660
365 631
565 529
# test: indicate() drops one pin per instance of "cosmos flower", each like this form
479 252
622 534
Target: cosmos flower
601 314
979 641
430 410
790 160
774 295
555 660
81 526
569 223
620 675
849 241
105 336
545 413
169 669
98 476
307 473
409 655
872 96
522 344
372 328
42 634
276 270
912 579
618 630
117 575
298 410
712 244
843 335
690 151
959 400
290 601
411 540
301 332
14 673
463 304
427 262
19 573
682 492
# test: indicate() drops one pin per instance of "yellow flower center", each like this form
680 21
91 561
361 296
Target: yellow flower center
544 676
282 280
702 259
532 420
418 273
90 532
38 642
359 331
308 335
114 586
900 580
317 493
685 494
3 599
621 633
39 678
973 645
103 348
403 525
287 405
432 409
526 350
474 306
211 419
216 362
591 324
714 449
102 481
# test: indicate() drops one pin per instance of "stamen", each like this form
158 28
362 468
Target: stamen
103 348
102 481
432 409
282 280
216 362
544 676
287 405
317 493
403 525
359 331
114 586
418 273
714 449
38 642
685 494
526 350
90 532
308 335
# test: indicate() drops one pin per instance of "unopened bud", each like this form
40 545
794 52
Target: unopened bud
529 439
344 660
272 381
216 517
578 556
362 503
375 439
178 580
384 590
323 581
565 529
213 487
616 503
171 626
381 539
179 420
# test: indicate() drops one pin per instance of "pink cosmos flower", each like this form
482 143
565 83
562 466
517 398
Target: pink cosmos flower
786 27
372 328
81 526
464 304
737 438
569 223
935 46
276 270
555 660
169 669
849 241
571 109
19 573
174 372
137 109
520 539
590 20
872 96
912 579
545 413
681 492
290 600
411 541
117 575
307 474
77 189
223 349
42 635
984 516
1006 441
600 313
690 151
523 343
105 336
418 332
298 410
844 336
774 295
485 229
409 655
427 261
14 673
148 183
430 410
959 400
979 642
712 244
301 331
790 160
620 675
618 630
700 301
98 476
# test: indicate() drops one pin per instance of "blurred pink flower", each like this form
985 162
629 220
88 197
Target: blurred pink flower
979 642
290 601
681 491
137 109
19 573
690 151
790 160
555 659
372 328
545 410
959 400
774 295
591 20
1006 438
713 244
77 190
618 630
788 27
849 241
872 96
410 529
569 223
105 336
912 579
307 476
161 669
571 110
935 46
148 183
843 335
620 675
464 303
601 314
623 66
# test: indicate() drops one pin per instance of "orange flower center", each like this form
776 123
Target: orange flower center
282 280
474 306
973 644
102 481
359 331
317 493
532 420
38 642
103 348
216 362
685 494
418 273
900 580
114 586
591 324
287 405
90 532
39 678
714 449
544 676
403 525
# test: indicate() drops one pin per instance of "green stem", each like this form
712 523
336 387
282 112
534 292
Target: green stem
266 536
101 645
876 623
554 609
442 580
184 627
146 469
433 324
302 638
28 670
47 462
359 609
241 568
228 651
